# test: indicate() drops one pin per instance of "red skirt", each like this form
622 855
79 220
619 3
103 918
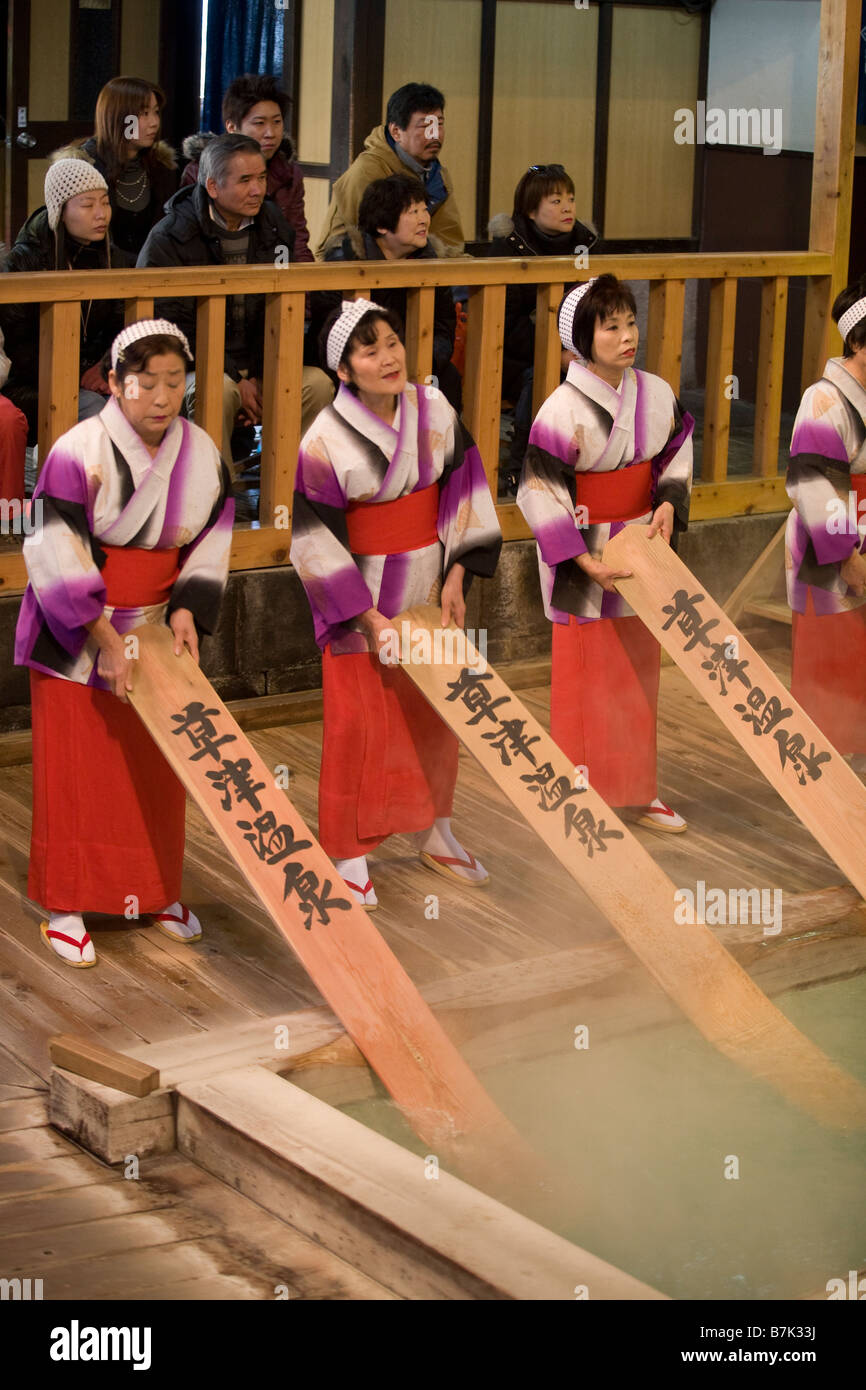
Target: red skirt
603 701
828 669
108 812
389 764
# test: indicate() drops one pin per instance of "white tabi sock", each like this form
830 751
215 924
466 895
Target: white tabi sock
71 924
356 876
184 931
439 841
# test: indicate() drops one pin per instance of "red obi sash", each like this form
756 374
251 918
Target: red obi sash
392 528
858 486
620 495
136 578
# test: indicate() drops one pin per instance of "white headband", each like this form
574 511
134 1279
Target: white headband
567 310
353 310
145 328
851 318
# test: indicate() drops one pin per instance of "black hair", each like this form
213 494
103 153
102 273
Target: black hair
856 337
414 96
135 356
385 200
247 91
537 183
607 296
218 153
363 334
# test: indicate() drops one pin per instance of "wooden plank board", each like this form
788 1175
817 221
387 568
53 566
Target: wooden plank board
297 884
752 703
97 1063
609 863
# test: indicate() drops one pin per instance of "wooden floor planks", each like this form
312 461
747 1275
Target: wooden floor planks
147 988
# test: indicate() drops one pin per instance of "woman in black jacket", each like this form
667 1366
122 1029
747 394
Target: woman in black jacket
542 223
139 168
69 233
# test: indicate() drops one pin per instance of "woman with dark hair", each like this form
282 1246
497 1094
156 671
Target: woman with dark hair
825 538
542 223
391 509
610 446
134 526
69 233
139 168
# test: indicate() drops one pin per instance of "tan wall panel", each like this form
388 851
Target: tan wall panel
36 171
49 60
317 194
654 70
317 61
439 41
139 43
549 119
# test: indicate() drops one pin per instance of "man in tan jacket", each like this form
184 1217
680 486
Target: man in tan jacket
408 143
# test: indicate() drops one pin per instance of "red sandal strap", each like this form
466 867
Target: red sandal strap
173 917
470 863
368 886
70 940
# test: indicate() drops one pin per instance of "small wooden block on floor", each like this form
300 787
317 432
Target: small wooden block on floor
101 1064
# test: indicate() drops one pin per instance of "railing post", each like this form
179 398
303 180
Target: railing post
420 305
771 368
482 385
720 360
664 346
832 174
281 410
210 336
59 371
548 348
135 309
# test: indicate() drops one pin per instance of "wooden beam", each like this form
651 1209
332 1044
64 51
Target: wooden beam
759 580
210 330
482 383
97 1063
717 397
664 349
771 369
548 348
59 337
420 305
281 411
832 173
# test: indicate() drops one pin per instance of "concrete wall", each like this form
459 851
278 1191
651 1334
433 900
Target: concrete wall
265 645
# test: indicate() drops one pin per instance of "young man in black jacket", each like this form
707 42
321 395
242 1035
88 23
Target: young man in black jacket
225 219
394 224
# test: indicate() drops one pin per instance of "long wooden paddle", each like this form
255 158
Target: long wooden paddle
615 871
333 937
750 700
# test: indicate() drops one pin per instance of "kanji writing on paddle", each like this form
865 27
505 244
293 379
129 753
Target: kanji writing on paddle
197 723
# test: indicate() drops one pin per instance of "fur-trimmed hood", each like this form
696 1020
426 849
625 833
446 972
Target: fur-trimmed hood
193 145
163 153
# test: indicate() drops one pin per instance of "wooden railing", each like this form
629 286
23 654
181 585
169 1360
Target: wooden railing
267 543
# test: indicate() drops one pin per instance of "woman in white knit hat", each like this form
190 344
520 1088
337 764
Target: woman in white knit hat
136 522
826 536
610 446
71 232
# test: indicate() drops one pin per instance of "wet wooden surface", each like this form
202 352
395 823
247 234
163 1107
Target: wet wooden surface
147 988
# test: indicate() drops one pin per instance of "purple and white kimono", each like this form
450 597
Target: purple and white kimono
588 426
825 475
349 455
101 487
